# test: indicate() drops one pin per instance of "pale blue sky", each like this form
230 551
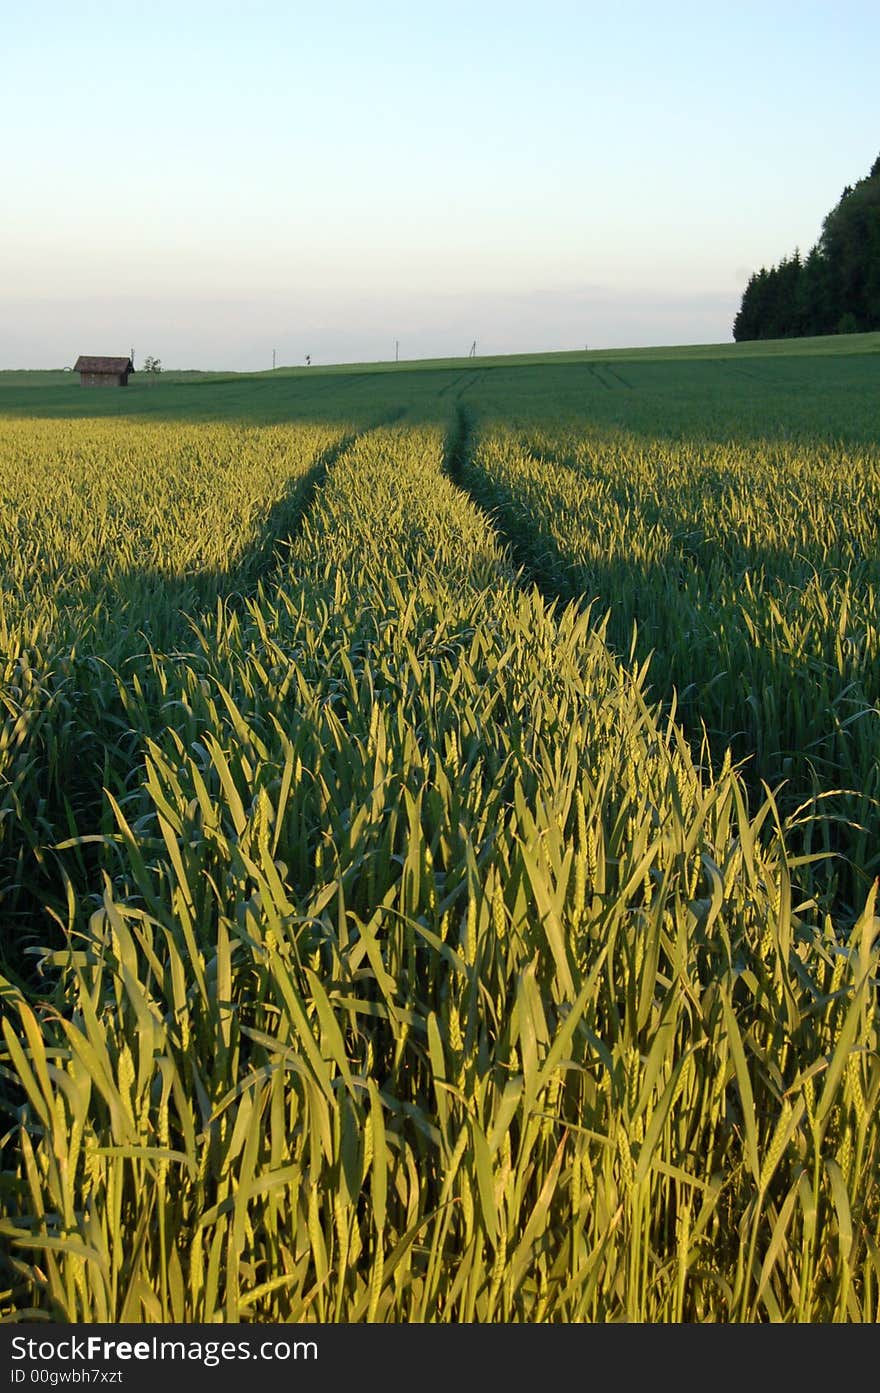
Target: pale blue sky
207 182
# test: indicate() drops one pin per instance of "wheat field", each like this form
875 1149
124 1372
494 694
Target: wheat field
438 848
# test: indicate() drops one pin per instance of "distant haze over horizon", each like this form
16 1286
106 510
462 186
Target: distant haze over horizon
210 183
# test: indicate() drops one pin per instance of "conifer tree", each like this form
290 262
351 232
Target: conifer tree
836 289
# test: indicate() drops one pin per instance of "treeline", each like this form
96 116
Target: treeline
835 289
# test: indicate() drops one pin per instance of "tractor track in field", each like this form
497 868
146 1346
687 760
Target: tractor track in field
458 453
459 377
593 369
475 379
726 367
463 381
263 559
285 518
612 372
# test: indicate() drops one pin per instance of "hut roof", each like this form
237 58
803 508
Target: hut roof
90 363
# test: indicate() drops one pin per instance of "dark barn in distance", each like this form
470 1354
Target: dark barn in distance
103 372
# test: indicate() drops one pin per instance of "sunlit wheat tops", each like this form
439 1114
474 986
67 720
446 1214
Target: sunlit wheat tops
381 947
751 574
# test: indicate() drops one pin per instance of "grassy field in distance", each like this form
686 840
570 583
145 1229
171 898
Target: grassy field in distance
835 345
825 388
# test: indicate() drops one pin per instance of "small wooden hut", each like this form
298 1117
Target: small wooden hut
103 372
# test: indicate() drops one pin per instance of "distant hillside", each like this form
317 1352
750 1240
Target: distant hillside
836 289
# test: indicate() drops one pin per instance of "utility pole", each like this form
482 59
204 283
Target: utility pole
273 359
397 350
472 351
